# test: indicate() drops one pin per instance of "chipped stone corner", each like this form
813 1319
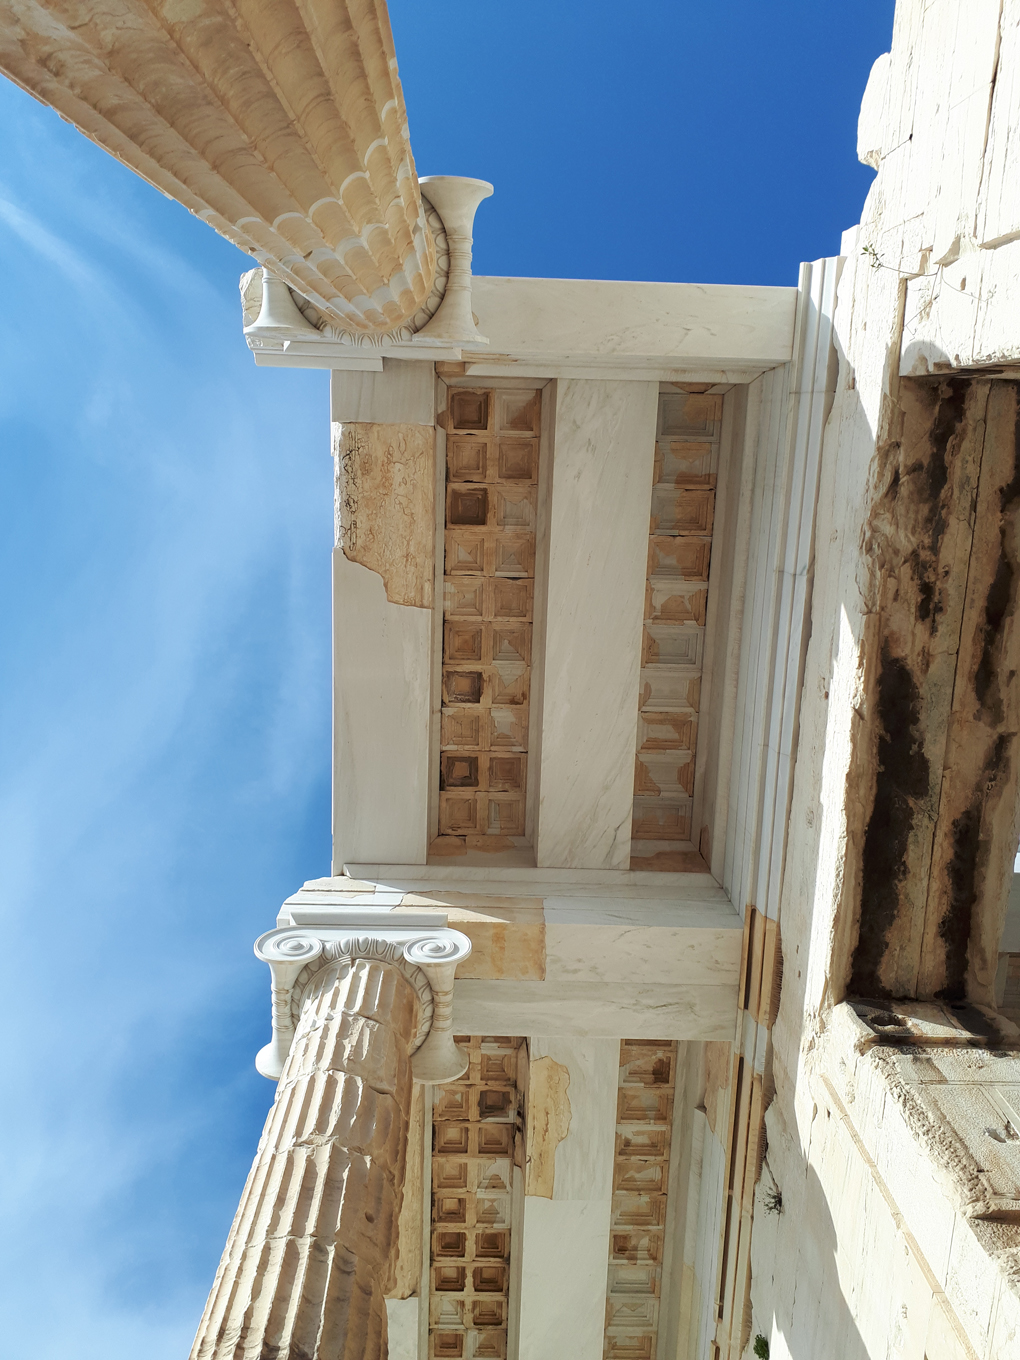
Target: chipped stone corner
384 504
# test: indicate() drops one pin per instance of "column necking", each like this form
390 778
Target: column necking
309 1257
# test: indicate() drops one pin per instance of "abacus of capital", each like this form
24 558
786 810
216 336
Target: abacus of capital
360 1012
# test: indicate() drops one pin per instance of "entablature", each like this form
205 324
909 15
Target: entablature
581 328
556 952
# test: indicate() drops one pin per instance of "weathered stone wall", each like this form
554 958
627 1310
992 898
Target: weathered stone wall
939 739
904 819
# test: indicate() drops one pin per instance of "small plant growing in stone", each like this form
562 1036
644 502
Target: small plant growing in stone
872 255
761 1347
772 1201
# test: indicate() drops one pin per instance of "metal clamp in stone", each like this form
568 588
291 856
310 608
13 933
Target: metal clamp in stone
427 958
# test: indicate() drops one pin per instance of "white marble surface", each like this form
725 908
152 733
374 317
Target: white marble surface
598 545
627 906
938 121
317 354
529 881
566 1255
382 661
382 655
403 393
949 319
566 1239
601 321
652 955
563 1289
591 328
581 1009
637 370
402 1327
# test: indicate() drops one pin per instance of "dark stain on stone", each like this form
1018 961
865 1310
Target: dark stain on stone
948 419
925 595
1010 493
902 781
999 600
977 1025
932 475
954 928
967 872
903 777
997 606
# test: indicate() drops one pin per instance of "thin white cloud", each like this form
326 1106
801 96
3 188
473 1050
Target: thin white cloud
165 725
48 245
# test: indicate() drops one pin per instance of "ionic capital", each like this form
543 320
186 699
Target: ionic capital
427 958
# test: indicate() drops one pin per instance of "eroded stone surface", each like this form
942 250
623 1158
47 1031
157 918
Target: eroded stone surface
407 1256
385 505
941 745
548 1123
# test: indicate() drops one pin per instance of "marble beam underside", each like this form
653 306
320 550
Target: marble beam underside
639 961
571 1128
590 329
598 551
282 127
381 718
577 1010
681 324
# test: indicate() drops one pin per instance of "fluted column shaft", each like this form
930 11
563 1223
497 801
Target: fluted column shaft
282 125
309 1255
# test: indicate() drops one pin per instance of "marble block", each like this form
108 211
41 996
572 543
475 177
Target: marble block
598 537
382 656
563 1285
600 321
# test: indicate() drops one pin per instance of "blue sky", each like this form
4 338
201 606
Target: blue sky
164 726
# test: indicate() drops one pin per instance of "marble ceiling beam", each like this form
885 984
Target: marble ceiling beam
281 125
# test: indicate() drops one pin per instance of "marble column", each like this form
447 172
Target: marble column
282 126
309 1258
